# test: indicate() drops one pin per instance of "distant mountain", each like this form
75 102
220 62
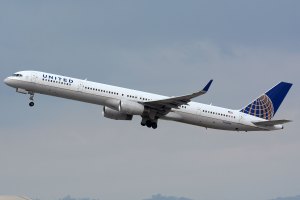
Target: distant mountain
161 197
288 198
13 198
72 198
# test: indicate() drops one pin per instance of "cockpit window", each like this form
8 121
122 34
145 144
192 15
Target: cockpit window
18 75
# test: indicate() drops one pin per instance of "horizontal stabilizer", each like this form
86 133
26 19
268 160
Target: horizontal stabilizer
271 122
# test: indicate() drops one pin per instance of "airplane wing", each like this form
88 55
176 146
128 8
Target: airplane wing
271 122
165 105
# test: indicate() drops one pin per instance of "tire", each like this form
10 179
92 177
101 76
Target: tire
154 125
31 104
148 123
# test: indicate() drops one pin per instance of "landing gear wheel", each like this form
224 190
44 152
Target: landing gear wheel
154 125
31 104
148 123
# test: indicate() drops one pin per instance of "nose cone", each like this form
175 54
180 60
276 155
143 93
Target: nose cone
7 81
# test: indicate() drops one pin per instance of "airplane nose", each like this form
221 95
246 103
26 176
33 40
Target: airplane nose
7 81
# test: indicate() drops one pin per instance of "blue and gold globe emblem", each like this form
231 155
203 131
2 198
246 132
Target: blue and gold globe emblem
261 107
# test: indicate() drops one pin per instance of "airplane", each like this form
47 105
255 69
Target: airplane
122 103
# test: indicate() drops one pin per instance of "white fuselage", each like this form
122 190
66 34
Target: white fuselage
199 114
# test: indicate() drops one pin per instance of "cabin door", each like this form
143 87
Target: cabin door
34 77
80 86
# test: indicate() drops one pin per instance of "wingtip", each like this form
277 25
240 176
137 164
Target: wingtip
205 89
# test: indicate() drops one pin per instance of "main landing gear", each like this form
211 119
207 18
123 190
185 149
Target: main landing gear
149 123
31 104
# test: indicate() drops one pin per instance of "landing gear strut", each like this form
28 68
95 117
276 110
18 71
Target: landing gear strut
31 99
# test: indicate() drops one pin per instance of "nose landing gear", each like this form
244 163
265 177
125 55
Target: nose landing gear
31 104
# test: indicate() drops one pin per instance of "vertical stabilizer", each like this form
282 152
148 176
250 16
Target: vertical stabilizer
267 104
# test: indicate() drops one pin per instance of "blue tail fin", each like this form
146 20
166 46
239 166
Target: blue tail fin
267 104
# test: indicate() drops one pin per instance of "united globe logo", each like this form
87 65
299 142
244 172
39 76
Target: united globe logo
261 107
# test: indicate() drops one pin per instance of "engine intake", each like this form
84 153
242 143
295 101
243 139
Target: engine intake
116 115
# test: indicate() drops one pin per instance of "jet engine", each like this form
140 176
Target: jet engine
116 115
131 108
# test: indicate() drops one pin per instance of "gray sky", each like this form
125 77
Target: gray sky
62 147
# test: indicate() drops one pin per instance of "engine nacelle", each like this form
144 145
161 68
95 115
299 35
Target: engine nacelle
116 115
112 103
131 108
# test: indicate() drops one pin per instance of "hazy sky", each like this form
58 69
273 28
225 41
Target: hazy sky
62 147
